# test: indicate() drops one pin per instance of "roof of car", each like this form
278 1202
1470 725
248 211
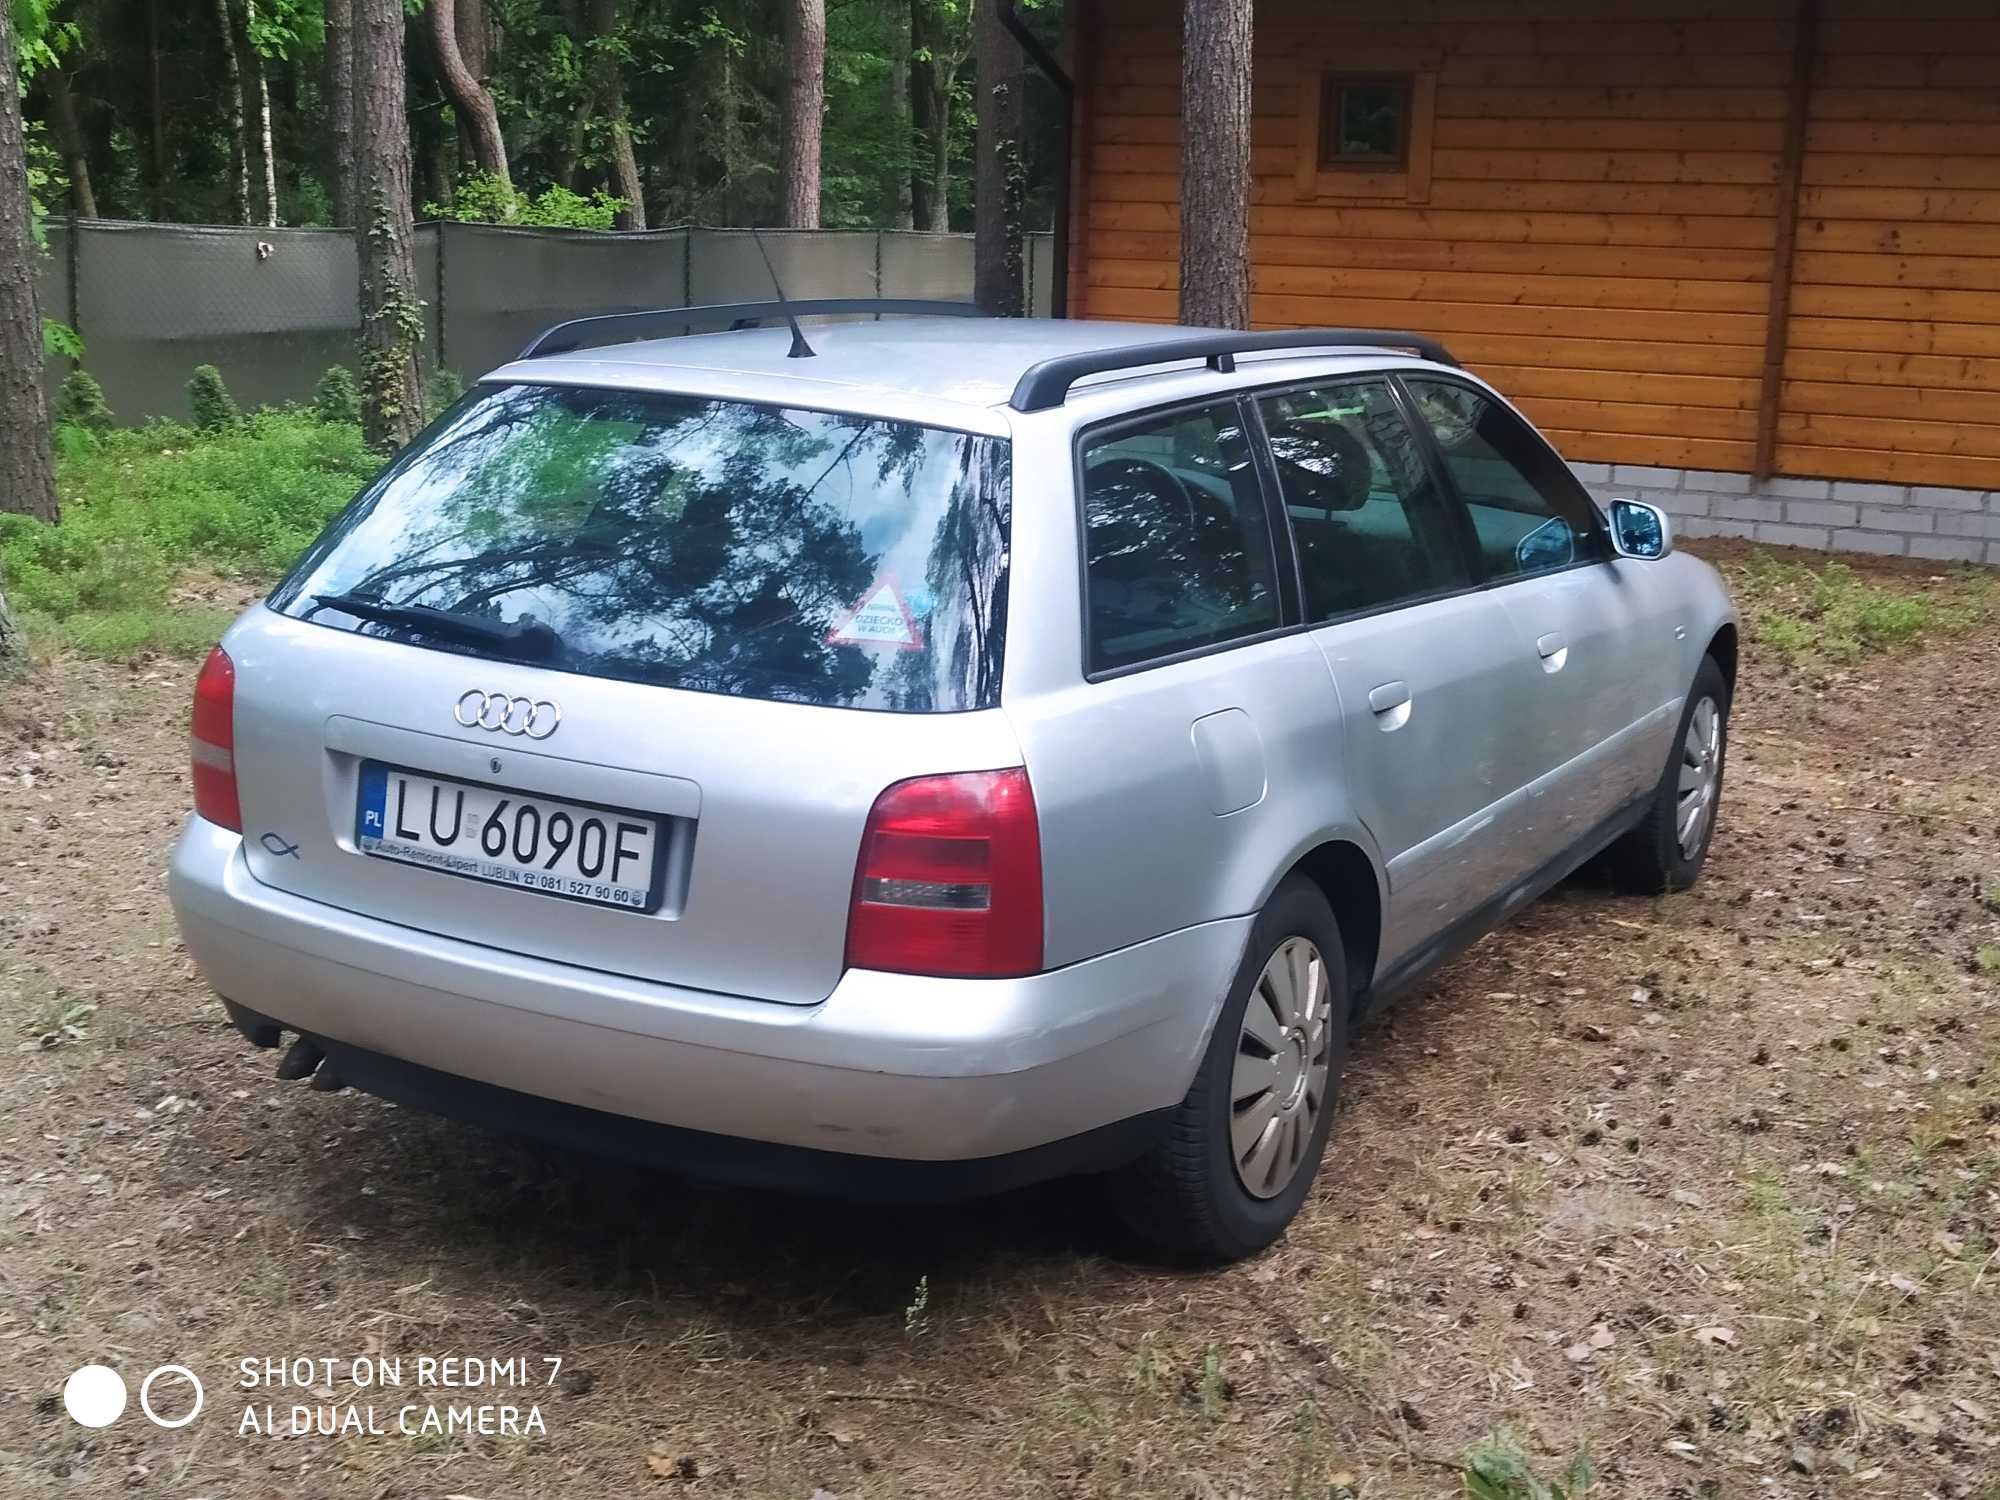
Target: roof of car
973 362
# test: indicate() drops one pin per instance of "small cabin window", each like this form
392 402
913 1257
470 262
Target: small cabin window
1366 126
1365 121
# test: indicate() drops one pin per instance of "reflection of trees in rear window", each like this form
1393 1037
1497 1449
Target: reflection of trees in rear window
692 543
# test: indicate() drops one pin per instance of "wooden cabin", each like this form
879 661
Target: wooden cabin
1742 248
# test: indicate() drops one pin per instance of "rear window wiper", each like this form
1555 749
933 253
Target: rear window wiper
527 637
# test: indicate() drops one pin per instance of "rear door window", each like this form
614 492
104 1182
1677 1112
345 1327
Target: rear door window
759 551
1177 543
1530 513
1371 527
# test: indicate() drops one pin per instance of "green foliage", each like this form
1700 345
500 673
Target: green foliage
1498 1468
337 397
209 400
1986 958
80 403
482 198
141 508
60 341
40 39
443 388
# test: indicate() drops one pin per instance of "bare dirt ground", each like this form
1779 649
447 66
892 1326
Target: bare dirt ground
1706 1185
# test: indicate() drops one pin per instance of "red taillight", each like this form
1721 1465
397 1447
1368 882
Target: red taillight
950 879
212 742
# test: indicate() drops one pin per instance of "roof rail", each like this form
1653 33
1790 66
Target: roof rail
1047 384
577 332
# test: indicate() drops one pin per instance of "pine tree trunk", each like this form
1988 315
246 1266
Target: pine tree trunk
337 103
69 140
239 143
805 104
156 109
391 316
27 464
930 119
469 95
1215 163
609 87
998 184
268 150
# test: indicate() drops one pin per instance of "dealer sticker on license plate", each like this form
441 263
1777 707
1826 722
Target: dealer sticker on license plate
492 833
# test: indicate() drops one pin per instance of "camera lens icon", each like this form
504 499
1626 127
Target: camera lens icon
95 1396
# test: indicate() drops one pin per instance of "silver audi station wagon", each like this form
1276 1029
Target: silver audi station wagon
926 754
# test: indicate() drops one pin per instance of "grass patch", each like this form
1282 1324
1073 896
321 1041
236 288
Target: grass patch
1831 613
143 507
1497 1467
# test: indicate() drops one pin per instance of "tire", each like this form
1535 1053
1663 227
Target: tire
1189 1196
1652 858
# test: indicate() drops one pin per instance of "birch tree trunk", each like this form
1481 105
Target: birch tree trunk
730 107
469 94
391 317
805 105
1215 163
893 189
930 118
239 143
998 182
337 98
267 146
27 463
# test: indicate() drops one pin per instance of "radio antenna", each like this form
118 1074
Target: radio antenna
800 348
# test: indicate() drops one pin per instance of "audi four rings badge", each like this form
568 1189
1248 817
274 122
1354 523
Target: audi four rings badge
502 713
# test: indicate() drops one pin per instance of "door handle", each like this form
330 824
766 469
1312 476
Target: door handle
1554 649
1388 696
1390 703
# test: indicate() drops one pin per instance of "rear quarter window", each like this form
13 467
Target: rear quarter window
718 546
1178 551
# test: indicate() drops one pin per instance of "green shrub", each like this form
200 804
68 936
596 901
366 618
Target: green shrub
481 198
337 397
80 403
209 399
143 507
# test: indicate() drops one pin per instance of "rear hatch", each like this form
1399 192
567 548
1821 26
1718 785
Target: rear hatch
614 678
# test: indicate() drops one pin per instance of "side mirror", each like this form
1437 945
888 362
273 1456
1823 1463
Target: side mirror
1640 530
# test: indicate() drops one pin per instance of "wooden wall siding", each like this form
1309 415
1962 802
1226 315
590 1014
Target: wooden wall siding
1599 229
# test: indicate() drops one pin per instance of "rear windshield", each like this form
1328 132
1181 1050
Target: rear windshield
727 548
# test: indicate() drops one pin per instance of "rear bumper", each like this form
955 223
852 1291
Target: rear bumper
890 1067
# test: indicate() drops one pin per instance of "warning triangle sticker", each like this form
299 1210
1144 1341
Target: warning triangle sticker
880 619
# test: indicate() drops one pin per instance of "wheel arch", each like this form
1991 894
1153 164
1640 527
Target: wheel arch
1353 887
1722 646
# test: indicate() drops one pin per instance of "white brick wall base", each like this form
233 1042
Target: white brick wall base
1833 515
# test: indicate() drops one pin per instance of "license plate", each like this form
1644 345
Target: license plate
490 833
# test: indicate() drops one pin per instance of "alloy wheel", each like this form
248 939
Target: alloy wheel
1279 1086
